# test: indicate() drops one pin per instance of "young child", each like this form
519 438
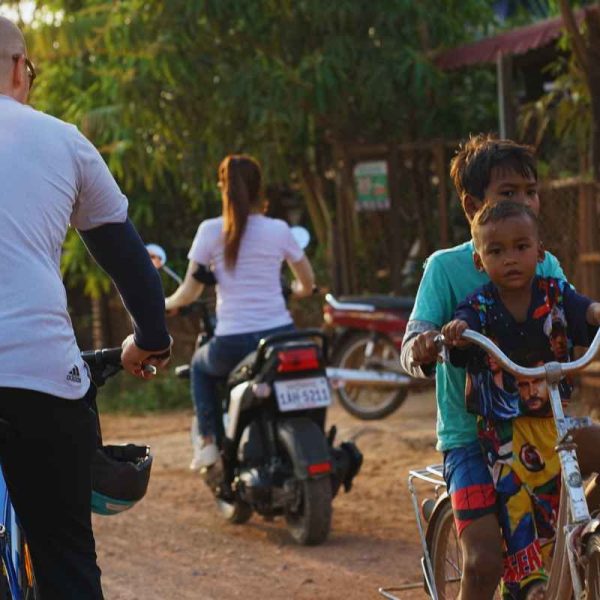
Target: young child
484 170
523 313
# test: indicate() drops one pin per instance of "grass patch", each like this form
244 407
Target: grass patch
123 393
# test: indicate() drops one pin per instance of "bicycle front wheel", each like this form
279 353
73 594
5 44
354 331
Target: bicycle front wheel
592 570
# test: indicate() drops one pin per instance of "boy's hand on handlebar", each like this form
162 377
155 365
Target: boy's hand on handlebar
134 359
453 331
425 350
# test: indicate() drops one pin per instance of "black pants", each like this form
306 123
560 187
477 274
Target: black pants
46 459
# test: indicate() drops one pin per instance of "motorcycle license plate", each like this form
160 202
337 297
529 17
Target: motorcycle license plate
302 394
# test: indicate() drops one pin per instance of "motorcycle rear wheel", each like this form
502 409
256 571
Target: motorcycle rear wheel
310 523
367 402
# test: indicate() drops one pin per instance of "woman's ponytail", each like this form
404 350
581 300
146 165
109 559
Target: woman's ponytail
240 180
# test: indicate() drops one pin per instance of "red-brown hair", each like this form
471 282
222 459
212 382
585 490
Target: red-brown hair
240 180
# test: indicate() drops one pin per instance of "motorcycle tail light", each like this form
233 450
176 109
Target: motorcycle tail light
297 359
319 468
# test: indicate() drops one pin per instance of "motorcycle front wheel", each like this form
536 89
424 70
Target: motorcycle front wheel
363 401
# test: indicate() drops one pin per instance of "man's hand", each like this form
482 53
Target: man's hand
424 349
453 331
134 359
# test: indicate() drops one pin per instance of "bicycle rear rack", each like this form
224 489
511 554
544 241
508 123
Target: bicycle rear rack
432 474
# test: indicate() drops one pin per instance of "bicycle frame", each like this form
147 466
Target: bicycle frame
578 518
15 563
572 482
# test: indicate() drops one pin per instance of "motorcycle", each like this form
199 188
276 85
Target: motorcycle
366 334
277 459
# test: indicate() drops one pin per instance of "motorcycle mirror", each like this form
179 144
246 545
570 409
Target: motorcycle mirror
301 235
157 255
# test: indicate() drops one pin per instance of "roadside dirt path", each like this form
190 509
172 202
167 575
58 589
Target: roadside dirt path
173 545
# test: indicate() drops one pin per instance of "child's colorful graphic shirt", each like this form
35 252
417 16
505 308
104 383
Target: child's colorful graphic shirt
516 431
555 323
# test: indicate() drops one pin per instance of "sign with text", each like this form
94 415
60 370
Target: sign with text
371 183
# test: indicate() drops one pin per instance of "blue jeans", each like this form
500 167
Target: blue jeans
211 364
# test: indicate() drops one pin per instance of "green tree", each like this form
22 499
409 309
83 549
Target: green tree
166 88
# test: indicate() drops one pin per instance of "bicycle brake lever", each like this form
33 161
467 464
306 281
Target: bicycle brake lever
442 349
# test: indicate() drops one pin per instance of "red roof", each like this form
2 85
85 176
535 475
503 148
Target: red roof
515 41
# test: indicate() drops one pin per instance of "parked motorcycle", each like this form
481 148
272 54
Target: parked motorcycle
366 333
277 459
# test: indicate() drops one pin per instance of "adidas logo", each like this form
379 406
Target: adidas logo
73 375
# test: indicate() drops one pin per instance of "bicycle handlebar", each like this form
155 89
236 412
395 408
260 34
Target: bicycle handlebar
558 369
103 358
105 363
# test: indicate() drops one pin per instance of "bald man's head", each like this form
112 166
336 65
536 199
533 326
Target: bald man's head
12 43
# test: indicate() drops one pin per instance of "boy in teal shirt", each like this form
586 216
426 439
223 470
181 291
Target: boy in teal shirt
483 170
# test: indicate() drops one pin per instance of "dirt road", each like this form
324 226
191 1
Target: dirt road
174 546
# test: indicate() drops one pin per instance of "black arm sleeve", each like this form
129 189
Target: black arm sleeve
119 250
204 275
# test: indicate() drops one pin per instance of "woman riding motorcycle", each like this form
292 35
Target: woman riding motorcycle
243 250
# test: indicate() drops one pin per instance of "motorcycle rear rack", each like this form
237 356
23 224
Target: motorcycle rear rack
433 475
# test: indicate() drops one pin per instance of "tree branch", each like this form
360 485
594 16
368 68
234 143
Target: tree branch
577 40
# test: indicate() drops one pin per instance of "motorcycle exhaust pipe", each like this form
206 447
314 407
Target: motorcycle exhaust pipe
339 377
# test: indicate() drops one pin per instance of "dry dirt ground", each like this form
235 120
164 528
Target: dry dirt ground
173 545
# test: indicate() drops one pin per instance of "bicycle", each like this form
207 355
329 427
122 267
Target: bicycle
575 566
17 578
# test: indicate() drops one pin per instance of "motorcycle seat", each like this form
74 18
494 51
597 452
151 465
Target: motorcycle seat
404 303
242 371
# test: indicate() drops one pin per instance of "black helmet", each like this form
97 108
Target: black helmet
120 476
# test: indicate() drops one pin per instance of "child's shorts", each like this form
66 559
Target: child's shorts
469 484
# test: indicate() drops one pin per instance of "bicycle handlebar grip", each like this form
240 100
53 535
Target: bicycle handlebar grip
106 356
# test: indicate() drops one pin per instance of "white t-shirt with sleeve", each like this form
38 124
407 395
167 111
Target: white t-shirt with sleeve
249 297
50 176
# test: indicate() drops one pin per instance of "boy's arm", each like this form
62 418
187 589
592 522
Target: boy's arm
592 315
581 313
417 346
465 317
433 307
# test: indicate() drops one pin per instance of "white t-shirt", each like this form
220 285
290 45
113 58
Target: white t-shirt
249 297
50 176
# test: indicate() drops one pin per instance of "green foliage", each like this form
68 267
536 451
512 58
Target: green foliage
562 116
166 88
125 394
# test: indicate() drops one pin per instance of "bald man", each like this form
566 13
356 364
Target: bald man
51 177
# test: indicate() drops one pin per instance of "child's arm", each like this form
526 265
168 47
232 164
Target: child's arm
465 317
582 315
592 314
433 307
453 331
